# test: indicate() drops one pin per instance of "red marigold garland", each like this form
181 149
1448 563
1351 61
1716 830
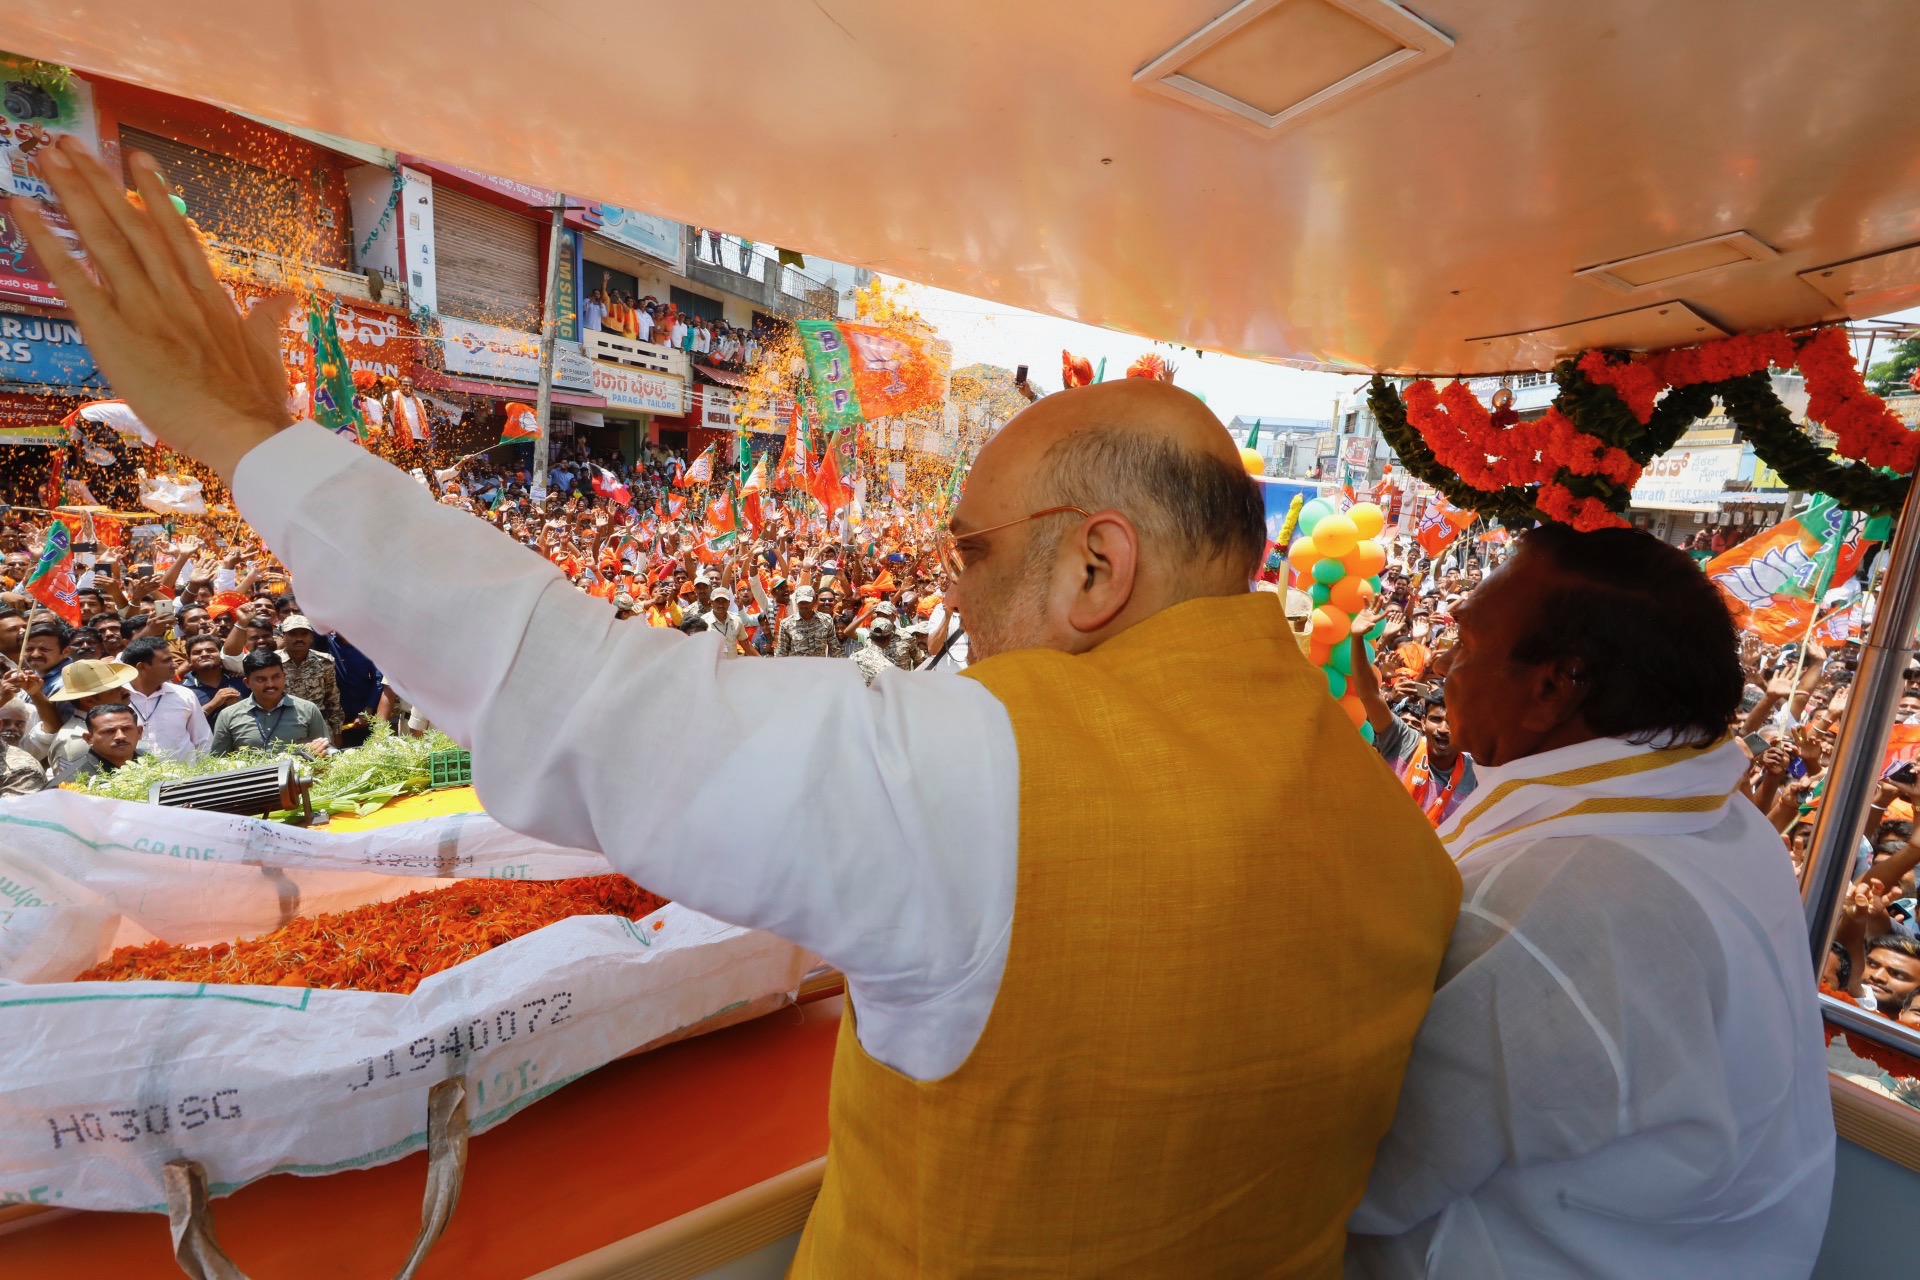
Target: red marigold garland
1492 452
1464 439
1837 398
1634 381
1584 514
1722 359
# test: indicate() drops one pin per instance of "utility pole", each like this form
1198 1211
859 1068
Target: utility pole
549 330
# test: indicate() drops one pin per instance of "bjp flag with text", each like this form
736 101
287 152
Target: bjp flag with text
861 371
1774 580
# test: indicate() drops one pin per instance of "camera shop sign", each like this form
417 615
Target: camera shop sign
625 388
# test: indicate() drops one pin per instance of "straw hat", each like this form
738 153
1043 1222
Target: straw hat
85 677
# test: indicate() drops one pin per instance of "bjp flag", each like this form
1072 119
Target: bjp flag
1440 524
1774 580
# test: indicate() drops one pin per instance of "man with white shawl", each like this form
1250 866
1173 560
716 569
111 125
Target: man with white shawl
1621 1073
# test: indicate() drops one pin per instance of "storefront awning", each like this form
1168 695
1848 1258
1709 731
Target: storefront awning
725 377
433 381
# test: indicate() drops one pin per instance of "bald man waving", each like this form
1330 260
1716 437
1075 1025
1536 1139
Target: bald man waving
1090 897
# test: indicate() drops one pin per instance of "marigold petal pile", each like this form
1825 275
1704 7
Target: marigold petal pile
384 946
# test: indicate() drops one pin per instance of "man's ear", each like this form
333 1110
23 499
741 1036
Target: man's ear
1559 692
1106 559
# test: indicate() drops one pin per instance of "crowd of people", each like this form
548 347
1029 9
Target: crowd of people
197 644
647 319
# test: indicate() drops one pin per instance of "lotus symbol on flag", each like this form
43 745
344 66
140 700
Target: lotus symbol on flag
1783 571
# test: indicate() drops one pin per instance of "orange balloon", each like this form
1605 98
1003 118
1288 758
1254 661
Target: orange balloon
1355 709
1318 654
1303 555
1368 518
1366 559
1330 625
1335 536
1350 594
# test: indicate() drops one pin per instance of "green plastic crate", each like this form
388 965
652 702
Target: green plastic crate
450 769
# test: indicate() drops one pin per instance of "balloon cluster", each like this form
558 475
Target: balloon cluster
1338 558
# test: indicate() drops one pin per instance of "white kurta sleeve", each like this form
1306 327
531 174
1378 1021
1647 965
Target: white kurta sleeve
877 828
1576 1005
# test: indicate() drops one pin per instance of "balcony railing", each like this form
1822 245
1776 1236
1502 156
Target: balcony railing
619 349
273 268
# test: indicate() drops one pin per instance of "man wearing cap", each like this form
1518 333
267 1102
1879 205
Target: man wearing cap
171 722
901 647
58 737
1144 1077
724 622
310 673
871 655
111 732
806 634
269 718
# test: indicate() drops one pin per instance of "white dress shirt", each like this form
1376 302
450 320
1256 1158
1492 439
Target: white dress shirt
877 827
1622 1074
171 721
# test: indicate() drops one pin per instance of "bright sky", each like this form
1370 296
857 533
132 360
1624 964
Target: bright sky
989 333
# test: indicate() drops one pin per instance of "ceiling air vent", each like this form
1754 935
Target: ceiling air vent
1646 271
1268 63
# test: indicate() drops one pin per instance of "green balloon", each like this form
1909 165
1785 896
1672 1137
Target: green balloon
1328 571
179 205
1340 658
1319 593
1313 513
1336 683
1374 582
1366 731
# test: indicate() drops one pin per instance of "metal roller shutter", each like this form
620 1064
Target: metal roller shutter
237 202
488 261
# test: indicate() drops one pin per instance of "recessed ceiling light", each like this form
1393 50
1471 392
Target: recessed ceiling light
1268 63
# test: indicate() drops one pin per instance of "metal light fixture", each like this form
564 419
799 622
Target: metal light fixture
254 791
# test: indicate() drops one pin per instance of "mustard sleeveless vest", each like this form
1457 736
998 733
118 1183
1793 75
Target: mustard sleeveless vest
1227 925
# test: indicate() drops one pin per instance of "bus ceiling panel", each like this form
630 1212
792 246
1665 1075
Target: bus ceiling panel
1390 187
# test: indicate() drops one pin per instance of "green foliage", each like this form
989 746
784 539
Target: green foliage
50 76
356 781
1889 377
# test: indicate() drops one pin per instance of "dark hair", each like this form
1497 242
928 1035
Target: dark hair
58 630
109 709
1659 649
74 636
259 660
1198 506
141 651
104 616
208 638
8 611
1894 942
1838 950
1893 829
